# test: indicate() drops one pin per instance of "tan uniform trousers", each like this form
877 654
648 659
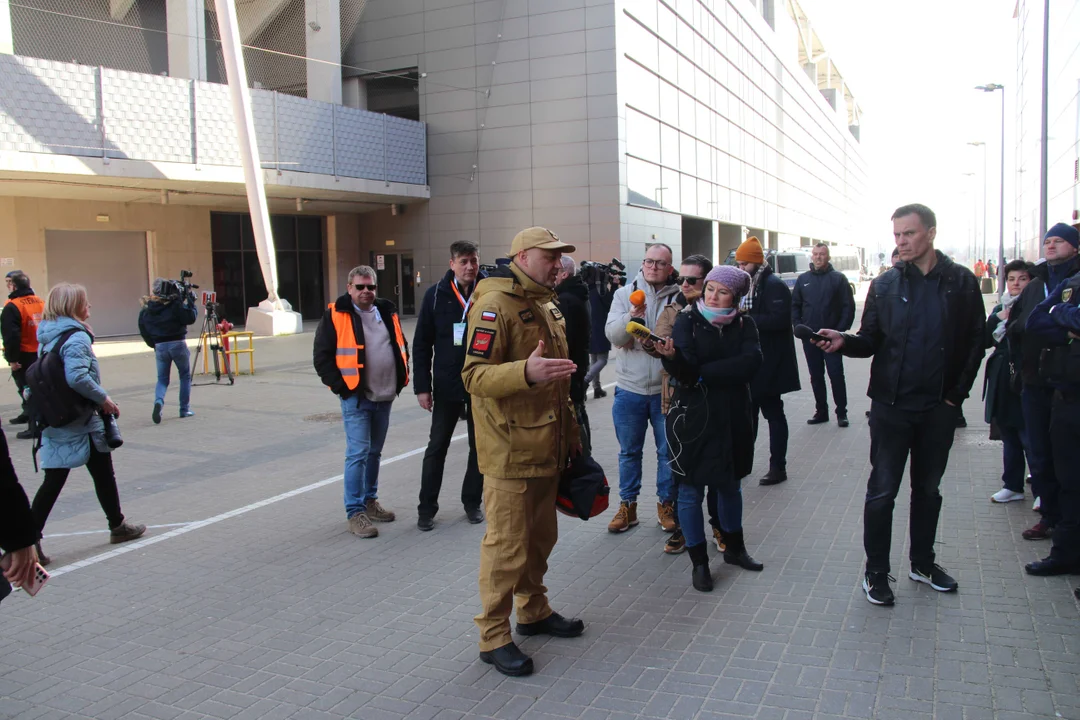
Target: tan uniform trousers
521 531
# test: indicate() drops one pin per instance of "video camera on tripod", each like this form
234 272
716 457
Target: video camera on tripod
603 274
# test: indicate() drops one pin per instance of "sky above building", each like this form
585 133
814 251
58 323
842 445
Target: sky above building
913 66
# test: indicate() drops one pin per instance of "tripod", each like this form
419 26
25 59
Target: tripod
212 333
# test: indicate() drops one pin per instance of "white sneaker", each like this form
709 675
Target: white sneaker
1005 495
1037 505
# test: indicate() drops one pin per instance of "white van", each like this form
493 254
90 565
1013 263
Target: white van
790 263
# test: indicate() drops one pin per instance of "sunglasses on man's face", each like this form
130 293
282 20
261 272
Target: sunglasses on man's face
364 287
688 279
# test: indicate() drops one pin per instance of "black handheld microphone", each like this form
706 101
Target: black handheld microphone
805 333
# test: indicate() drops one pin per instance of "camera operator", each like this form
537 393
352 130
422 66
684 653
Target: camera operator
574 303
163 324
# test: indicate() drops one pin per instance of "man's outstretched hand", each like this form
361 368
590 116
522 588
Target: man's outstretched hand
539 369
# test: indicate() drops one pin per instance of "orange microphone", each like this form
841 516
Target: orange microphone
637 298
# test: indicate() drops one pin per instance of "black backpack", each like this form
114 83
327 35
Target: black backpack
52 402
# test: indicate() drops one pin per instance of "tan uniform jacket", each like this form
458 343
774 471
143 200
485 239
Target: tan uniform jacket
522 430
665 326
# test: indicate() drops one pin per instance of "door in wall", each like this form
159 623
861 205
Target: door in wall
112 265
397 280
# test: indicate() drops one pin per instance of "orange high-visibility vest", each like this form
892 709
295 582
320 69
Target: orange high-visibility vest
348 351
31 308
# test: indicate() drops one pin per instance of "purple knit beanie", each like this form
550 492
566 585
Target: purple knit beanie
731 277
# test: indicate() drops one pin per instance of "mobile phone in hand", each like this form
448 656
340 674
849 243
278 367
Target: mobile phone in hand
37 579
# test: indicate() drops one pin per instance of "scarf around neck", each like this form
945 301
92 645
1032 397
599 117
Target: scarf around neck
718 317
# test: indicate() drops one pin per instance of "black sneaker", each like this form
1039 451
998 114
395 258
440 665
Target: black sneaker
156 414
934 576
876 587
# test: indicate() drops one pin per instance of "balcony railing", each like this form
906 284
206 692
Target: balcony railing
67 109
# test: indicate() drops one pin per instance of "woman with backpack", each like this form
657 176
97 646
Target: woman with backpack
163 324
712 356
81 441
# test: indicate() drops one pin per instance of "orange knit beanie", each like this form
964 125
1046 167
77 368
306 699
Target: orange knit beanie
750 251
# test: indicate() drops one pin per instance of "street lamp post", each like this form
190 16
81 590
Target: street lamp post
993 87
974 248
980 143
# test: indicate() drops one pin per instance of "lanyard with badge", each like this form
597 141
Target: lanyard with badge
459 327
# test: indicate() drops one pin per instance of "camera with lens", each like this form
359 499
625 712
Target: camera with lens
612 274
112 431
180 289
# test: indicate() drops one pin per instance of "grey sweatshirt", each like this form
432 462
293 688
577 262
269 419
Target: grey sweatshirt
379 376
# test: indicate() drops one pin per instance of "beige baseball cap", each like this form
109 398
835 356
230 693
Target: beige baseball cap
538 237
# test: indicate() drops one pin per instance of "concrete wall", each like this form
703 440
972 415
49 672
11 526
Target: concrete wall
519 97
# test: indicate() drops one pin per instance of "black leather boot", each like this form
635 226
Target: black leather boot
702 578
736 554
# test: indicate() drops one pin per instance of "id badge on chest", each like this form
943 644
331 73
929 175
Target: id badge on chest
459 333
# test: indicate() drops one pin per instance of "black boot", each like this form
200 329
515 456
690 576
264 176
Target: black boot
775 476
736 554
702 578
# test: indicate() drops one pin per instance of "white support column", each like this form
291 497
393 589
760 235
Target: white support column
274 316
7 43
322 33
186 24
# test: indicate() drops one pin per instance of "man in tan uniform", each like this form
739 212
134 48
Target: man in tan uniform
517 371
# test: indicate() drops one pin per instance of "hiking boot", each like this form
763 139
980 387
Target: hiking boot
378 513
1038 531
665 516
676 543
21 420
718 536
625 518
125 532
934 576
360 526
43 559
156 414
876 587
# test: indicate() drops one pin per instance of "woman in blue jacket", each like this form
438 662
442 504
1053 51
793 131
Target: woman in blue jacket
163 324
81 442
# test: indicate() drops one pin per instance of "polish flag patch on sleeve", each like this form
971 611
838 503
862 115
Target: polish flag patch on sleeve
488 316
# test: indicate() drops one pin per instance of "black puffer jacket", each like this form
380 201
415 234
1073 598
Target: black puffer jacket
886 321
574 302
771 310
1026 350
823 299
437 362
166 321
324 349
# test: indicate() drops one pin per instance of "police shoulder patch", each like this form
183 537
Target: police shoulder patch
1066 294
488 316
483 340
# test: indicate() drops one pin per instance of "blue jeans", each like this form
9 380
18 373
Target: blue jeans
632 413
729 507
365 433
1037 404
1013 445
169 353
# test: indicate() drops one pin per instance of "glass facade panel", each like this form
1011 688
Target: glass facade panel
642 136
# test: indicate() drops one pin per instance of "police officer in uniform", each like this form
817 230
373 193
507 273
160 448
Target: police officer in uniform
517 371
1056 322
18 326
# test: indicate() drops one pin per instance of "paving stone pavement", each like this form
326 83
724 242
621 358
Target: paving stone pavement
276 611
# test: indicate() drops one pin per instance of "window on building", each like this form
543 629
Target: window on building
396 93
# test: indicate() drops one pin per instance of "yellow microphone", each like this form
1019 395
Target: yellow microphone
641 332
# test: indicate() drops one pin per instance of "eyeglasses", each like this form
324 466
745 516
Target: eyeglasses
361 286
688 280
649 262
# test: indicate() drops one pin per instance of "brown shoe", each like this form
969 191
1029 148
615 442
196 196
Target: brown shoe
378 513
360 525
719 538
1038 531
126 531
624 519
665 516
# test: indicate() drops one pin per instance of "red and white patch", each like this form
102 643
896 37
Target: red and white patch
488 316
483 341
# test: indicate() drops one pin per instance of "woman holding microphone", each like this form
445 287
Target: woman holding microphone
712 355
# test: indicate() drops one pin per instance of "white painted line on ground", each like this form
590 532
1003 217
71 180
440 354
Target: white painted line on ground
98 532
198 524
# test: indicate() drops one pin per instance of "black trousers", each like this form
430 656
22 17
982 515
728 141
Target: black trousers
772 407
444 417
1065 438
817 362
928 437
100 467
19 376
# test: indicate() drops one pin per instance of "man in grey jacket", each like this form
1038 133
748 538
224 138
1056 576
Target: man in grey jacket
638 388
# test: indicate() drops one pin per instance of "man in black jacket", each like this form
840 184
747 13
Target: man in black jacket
361 355
19 531
439 340
574 301
1062 262
923 324
822 298
769 304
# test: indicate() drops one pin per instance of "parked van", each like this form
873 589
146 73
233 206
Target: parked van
790 263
